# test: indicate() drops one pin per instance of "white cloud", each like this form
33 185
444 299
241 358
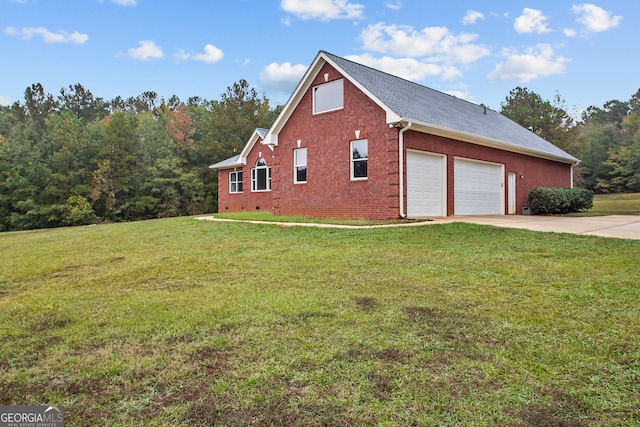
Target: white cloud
324 10
538 61
594 18
125 2
472 17
407 68
286 21
147 50
282 77
28 33
440 44
570 32
394 5
211 54
5 101
531 21
181 55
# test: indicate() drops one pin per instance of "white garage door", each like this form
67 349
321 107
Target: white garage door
478 188
426 189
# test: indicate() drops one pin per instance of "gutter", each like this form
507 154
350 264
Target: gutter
489 142
401 165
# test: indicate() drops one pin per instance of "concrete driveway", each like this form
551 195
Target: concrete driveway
618 226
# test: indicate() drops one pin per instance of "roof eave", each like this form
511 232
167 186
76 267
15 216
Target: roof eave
483 141
229 166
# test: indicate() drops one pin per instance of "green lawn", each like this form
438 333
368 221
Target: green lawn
614 204
184 322
617 204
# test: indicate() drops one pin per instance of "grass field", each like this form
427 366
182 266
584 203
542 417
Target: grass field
614 204
184 322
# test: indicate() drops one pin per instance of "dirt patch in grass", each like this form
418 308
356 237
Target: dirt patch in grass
392 355
563 411
457 327
546 417
365 303
284 410
359 354
383 388
50 321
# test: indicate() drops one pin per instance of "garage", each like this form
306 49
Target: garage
478 187
426 184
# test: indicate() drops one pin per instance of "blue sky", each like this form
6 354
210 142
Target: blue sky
475 50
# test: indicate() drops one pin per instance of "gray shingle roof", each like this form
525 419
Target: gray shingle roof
241 158
227 163
414 102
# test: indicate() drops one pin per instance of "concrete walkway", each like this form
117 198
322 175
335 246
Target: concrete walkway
618 226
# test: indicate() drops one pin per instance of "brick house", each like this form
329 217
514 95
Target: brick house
355 142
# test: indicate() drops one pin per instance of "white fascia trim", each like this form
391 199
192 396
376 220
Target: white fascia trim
242 157
271 139
479 140
255 136
229 166
305 83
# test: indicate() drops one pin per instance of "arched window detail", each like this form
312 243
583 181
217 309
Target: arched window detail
261 176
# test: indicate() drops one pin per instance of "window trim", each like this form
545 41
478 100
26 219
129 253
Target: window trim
236 181
327 86
352 161
296 165
254 176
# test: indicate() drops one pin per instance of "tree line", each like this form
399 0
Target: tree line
606 139
75 159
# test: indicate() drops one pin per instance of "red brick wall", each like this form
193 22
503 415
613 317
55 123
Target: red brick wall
247 200
329 191
537 172
229 202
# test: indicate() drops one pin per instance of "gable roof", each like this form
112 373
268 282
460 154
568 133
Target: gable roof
428 111
241 159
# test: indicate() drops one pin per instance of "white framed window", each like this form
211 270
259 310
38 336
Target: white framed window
235 182
300 165
359 159
328 96
261 176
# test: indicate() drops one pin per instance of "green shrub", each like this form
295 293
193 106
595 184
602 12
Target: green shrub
78 211
559 200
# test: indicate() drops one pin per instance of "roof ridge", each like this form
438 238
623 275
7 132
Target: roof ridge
482 105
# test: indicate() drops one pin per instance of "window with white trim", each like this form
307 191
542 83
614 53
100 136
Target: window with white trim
261 176
235 182
300 165
328 97
359 159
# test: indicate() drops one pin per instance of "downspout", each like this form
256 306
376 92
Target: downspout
401 166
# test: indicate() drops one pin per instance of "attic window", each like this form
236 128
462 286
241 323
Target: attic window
328 97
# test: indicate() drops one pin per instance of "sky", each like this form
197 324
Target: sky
475 50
